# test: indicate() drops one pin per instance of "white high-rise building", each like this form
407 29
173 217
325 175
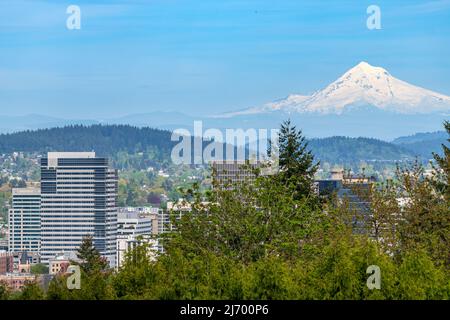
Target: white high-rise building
78 199
25 220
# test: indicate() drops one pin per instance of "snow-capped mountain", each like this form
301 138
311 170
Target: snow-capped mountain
363 85
365 102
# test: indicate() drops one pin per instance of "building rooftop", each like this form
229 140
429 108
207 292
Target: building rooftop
131 215
26 191
70 155
65 256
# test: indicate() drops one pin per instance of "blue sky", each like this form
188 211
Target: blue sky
204 57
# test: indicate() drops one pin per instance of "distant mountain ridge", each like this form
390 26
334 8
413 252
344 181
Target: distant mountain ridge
108 140
157 119
345 150
421 137
105 140
423 144
37 121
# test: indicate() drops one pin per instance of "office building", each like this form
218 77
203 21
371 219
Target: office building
4 245
4 235
131 222
25 221
78 199
228 173
353 189
135 226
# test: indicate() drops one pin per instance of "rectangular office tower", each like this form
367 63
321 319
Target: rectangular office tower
25 220
78 199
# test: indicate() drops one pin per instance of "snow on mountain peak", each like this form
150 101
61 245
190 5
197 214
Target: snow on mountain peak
367 68
362 85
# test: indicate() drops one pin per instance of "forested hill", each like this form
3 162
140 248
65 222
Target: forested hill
350 150
423 144
108 140
104 140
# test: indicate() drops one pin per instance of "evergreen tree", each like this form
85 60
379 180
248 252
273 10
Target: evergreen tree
90 258
57 289
424 220
95 277
296 162
442 173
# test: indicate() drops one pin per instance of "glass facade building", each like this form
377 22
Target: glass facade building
25 221
78 199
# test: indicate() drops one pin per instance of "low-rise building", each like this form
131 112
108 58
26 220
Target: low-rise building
24 260
61 262
16 281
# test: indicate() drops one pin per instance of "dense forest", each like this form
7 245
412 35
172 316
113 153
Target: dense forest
349 150
422 143
109 140
105 140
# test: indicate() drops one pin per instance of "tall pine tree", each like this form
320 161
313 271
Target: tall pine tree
296 162
442 179
91 260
